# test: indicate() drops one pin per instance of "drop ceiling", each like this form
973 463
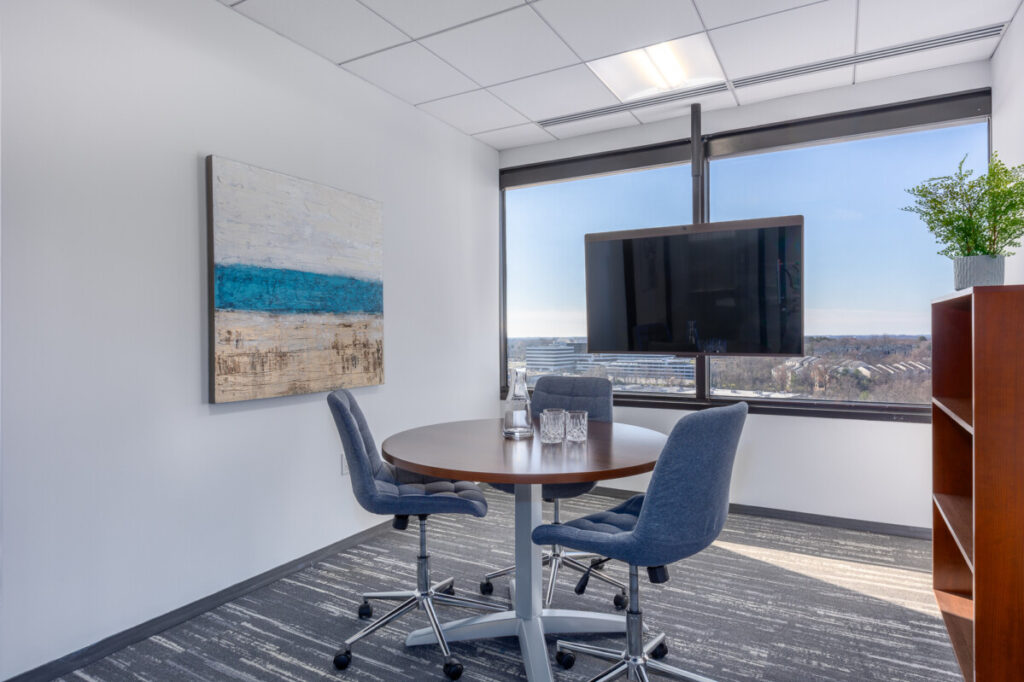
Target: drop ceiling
514 72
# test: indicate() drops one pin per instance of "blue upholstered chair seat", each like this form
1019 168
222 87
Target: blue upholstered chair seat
610 533
430 496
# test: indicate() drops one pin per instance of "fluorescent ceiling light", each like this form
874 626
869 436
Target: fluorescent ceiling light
684 63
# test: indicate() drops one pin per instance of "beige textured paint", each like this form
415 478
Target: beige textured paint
261 355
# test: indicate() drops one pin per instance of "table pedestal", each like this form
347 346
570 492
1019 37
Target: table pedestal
528 621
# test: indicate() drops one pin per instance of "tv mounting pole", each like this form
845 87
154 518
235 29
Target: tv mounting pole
698 170
698 167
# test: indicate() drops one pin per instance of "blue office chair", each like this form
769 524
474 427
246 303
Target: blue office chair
382 488
594 395
682 513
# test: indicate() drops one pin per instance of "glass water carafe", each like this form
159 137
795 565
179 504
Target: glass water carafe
518 420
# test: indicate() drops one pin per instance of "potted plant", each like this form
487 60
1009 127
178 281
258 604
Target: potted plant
978 220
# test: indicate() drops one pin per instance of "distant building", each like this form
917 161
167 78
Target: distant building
634 368
556 358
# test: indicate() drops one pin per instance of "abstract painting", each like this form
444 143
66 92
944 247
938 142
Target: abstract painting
296 282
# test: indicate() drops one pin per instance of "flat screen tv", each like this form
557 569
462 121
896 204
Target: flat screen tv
731 288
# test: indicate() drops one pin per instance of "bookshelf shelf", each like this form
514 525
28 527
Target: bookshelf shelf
959 409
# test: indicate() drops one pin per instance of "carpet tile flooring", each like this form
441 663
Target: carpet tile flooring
770 600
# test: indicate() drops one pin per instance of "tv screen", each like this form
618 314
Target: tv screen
733 288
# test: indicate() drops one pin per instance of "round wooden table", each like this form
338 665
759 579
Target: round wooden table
476 451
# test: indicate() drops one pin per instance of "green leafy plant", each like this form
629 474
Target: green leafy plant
974 216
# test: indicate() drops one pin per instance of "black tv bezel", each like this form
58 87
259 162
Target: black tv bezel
733 225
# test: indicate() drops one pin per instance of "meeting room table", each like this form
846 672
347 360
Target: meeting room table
476 450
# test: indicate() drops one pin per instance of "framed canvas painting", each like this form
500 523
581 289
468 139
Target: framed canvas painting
296 285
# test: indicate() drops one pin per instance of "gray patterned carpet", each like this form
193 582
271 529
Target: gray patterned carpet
771 600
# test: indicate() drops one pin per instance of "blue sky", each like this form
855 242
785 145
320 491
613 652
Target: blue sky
870 267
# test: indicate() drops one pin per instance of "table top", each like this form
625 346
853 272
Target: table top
475 450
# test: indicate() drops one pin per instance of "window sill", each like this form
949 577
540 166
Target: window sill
887 412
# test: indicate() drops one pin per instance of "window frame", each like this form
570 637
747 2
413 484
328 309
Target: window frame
953 109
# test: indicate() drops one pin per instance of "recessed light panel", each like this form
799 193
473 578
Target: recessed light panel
675 65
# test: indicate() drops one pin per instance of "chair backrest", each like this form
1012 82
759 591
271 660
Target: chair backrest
687 500
365 464
592 394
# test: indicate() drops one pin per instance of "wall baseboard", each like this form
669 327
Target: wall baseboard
116 642
802 517
896 529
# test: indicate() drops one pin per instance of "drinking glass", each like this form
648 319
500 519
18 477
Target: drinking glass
576 426
552 425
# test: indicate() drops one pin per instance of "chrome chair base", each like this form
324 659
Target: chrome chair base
630 667
424 597
637 658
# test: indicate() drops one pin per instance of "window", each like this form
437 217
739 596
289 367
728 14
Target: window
545 280
871 269
870 272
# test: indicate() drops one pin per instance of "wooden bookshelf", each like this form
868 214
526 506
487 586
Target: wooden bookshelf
978 478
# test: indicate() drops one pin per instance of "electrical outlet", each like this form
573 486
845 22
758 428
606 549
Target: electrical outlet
344 465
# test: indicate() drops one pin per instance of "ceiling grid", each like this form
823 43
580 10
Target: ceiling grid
516 72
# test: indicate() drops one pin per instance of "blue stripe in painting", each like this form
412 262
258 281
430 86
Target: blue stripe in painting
276 290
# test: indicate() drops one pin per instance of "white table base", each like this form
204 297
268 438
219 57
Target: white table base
528 621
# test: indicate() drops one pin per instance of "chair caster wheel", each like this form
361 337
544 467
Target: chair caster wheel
342 659
486 587
452 669
659 651
450 590
566 659
365 610
598 563
621 601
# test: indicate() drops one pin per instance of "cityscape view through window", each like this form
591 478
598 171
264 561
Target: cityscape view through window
870 273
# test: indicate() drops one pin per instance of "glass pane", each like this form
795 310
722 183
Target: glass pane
546 282
871 269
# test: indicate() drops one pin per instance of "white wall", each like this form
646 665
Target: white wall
872 471
1008 113
125 494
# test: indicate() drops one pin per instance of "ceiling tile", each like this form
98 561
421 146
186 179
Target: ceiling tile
336 29
419 18
893 22
717 13
598 28
622 119
474 112
796 85
974 51
799 36
516 136
556 93
501 48
411 72
659 112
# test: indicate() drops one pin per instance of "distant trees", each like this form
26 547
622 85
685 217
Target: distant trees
888 369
